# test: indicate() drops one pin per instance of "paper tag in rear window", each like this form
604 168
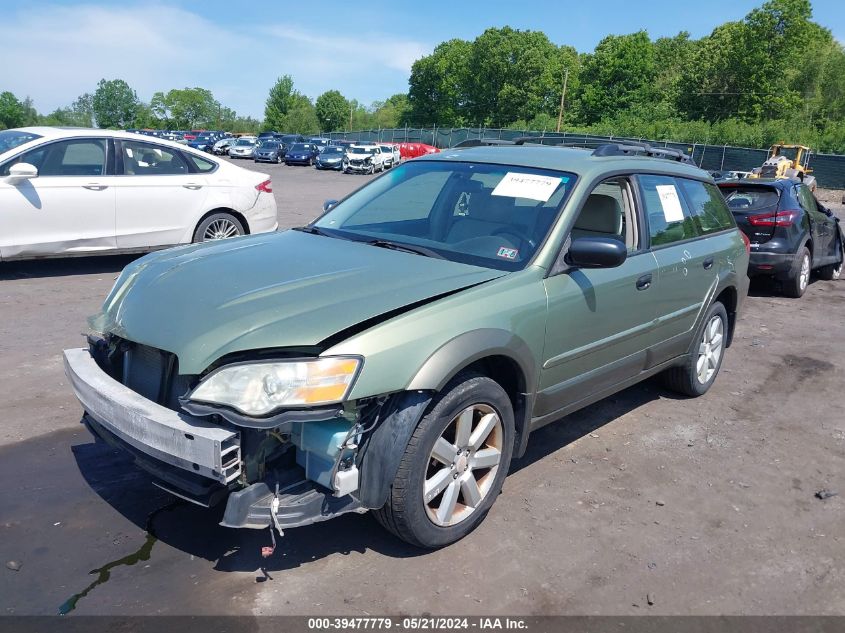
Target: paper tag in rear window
670 202
531 186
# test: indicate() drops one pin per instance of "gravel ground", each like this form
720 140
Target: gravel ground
702 506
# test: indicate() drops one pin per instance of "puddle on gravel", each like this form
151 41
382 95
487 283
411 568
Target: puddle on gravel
104 573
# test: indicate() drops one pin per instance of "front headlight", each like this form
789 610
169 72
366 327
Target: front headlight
259 388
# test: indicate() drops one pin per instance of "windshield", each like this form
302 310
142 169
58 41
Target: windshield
245 141
332 150
300 147
361 150
10 139
486 215
290 138
387 148
269 145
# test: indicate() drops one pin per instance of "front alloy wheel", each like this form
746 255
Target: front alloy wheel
463 465
454 464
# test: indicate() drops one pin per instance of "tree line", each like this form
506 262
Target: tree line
776 74
773 75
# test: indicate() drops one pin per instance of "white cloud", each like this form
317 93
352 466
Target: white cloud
54 53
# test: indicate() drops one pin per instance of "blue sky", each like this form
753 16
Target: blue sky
55 51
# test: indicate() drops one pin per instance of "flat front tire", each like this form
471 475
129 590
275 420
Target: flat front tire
454 465
701 366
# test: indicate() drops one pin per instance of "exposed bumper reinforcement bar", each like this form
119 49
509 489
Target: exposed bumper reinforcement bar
174 438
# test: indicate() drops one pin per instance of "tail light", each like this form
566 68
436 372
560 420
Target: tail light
746 241
265 187
781 218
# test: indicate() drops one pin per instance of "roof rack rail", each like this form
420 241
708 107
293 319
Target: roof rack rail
603 148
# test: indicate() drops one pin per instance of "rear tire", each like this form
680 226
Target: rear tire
218 226
698 372
795 285
477 403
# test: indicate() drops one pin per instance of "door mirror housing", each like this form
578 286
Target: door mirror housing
328 205
22 171
596 252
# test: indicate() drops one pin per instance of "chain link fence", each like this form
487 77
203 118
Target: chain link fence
829 169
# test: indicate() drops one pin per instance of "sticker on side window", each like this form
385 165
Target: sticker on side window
531 186
670 202
507 253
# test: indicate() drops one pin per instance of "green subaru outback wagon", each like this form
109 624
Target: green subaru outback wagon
395 354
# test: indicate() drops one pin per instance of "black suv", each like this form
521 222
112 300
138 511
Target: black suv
791 233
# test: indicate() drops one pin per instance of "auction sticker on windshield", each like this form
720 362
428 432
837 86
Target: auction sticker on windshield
531 186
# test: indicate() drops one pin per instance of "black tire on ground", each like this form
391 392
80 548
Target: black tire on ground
215 217
684 378
404 514
793 286
832 271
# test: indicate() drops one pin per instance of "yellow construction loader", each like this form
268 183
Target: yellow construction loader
778 165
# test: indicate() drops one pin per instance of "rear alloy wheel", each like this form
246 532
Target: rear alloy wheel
701 366
453 466
795 285
218 226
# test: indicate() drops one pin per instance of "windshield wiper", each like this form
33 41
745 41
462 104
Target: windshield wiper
394 246
313 230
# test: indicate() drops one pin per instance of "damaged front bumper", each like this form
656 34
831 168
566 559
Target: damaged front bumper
205 463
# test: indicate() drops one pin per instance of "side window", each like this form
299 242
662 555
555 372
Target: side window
78 157
202 165
669 219
609 212
147 159
807 200
707 205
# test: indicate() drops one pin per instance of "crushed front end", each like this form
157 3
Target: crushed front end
288 468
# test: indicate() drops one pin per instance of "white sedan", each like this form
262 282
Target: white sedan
70 192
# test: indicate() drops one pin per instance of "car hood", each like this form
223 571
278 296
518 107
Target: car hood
274 290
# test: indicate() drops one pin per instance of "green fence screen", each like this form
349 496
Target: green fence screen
829 169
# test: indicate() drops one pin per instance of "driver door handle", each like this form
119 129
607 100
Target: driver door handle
644 282
707 263
95 186
192 185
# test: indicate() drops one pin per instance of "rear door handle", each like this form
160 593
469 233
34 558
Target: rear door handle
192 185
644 282
95 186
707 263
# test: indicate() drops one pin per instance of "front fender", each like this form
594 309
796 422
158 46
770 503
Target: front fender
469 347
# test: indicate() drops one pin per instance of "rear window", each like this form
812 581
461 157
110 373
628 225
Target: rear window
707 206
750 198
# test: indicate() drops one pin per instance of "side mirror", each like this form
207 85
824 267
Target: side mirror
328 205
597 252
22 171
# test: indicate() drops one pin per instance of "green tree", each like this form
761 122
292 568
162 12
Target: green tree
301 117
186 108
438 85
618 75
391 112
114 103
332 110
12 111
279 101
